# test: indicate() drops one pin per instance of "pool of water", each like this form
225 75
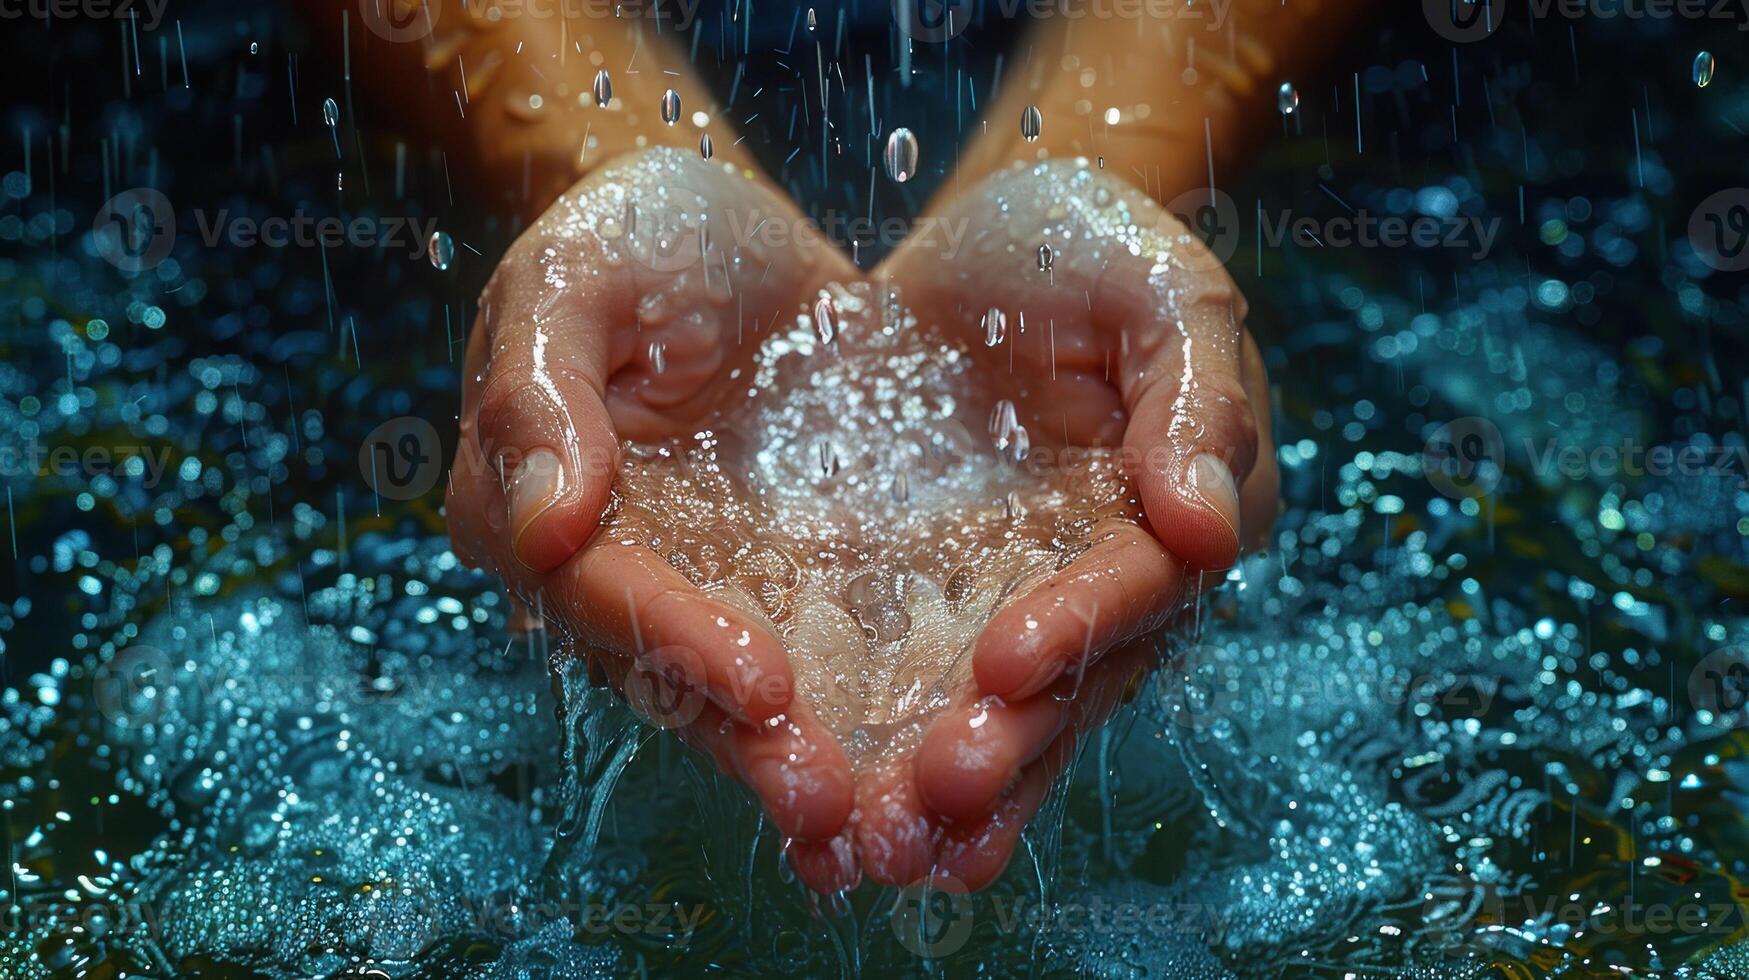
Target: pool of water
1477 710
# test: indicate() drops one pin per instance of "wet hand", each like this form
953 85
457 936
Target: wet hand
1102 322
613 318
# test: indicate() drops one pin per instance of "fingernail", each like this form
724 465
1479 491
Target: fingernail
1212 481
534 487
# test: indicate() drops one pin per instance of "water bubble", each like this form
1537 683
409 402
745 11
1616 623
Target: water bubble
658 357
603 88
1032 122
330 113
706 148
901 155
1287 98
440 249
670 107
995 327
1045 257
825 320
1704 65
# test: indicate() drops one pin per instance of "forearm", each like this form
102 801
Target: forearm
1157 97
512 96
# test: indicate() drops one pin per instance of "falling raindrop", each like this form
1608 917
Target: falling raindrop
706 148
902 488
440 249
1013 505
825 320
1287 98
1704 65
658 357
1045 258
901 155
813 23
995 327
1019 445
828 459
330 113
254 47
1003 421
1032 122
603 88
670 107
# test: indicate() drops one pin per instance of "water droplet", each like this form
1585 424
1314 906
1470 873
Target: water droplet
1287 98
825 320
658 357
995 327
670 107
1002 422
1704 65
813 23
1045 258
1019 445
440 250
330 113
902 488
828 458
901 155
254 47
603 88
706 148
1013 506
1032 122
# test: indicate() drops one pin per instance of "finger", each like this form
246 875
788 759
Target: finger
972 754
542 426
1192 437
977 853
1125 585
798 770
895 832
626 599
826 866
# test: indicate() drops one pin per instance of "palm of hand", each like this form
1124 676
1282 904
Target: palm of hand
814 535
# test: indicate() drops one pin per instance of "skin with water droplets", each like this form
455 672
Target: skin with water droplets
846 503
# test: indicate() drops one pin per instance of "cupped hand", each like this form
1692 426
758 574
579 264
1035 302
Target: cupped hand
622 314
1102 322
